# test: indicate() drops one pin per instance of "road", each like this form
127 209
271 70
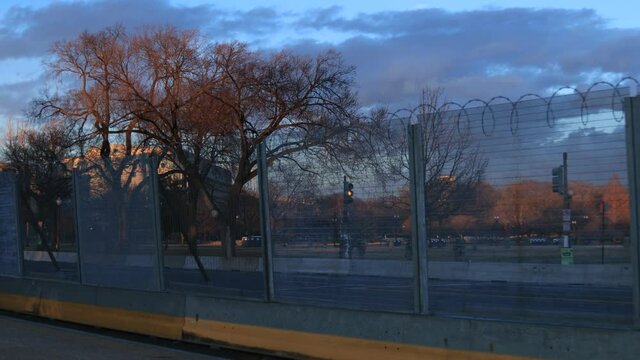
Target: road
23 338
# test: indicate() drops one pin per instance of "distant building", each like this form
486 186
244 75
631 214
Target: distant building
218 179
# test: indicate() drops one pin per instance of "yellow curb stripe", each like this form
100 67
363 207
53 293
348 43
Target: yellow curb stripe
322 346
159 325
19 304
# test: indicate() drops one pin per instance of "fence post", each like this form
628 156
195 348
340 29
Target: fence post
418 219
10 240
76 200
632 124
19 225
265 222
75 176
155 196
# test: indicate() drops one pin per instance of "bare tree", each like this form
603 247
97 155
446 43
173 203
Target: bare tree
453 164
204 106
90 104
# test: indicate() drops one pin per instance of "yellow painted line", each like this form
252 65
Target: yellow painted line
159 325
322 346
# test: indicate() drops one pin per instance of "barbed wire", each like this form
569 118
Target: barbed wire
488 114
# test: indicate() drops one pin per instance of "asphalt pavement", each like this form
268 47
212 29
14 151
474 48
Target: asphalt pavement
23 339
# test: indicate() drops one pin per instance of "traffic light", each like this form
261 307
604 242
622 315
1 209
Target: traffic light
348 192
558 176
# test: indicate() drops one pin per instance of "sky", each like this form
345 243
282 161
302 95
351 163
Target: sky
470 49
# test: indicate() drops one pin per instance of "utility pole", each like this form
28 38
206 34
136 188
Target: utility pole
345 236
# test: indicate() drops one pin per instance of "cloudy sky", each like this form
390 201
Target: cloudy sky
469 48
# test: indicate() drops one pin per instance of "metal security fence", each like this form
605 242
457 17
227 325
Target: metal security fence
10 259
207 248
46 208
340 225
507 197
118 223
534 222
519 210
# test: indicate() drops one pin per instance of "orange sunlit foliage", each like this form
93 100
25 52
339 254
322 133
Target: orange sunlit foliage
616 197
530 207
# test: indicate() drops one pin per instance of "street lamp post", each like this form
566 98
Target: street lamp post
396 218
336 231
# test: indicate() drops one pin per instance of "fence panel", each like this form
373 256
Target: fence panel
117 223
340 224
211 242
47 220
504 241
9 237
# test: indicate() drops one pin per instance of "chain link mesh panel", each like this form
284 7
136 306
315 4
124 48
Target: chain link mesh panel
212 242
505 242
341 228
47 209
117 226
9 240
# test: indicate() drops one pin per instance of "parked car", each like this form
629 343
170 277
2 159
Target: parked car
537 241
438 242
251 241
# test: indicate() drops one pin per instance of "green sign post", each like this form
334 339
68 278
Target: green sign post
566 256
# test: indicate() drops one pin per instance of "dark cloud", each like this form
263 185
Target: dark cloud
28 32
256 22
477 53
473 54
